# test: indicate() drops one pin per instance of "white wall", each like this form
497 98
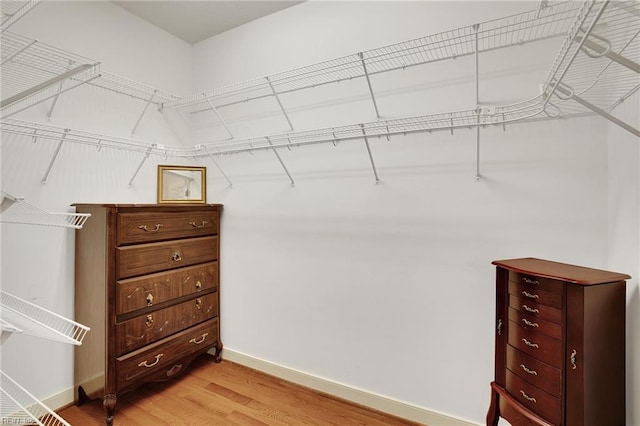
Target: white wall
386 288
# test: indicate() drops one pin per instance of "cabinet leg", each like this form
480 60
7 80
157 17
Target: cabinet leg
218 356
492 414
109 404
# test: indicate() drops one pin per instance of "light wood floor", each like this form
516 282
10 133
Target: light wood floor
227 394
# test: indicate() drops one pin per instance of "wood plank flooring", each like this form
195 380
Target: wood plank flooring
224 394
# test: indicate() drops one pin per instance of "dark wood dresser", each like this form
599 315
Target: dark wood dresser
560 345
146 283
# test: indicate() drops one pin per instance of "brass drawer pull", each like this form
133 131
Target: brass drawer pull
499 326
530 296
529 323
198 285
530 281
195 225
149 299
200 340
144 363
198 303
156 229
532 310
532 372
527 397
149 320
573 359
531 345
176 256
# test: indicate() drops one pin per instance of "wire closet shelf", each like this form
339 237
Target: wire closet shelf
18 406
16 210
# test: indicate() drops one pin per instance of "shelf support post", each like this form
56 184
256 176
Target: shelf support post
55 156
279 102
281 162
146 155
220 169
569 93
144 111
366 74
366 142
476 27
224 123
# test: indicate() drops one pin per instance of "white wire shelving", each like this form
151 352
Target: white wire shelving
16 210
18 406
13 11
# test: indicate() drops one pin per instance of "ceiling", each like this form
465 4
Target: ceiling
194 21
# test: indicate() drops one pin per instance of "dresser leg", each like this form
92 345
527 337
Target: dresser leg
492 414
218 356
109 404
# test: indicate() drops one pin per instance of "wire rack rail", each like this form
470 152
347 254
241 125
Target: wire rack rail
552 21
18 406
36 321
12 11
16 210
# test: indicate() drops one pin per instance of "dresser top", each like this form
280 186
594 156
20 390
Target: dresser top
560 271
166 206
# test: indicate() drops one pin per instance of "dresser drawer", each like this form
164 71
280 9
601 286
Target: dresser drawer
536 344
154 257
140 331
530 322
159 356
544 312
535 372
536 295
533 282
149 290
537 400
147 226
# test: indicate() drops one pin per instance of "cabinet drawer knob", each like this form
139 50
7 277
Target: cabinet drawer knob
176 256
531 345
532 310
527 370
527 397
530 281
156 229
200 340
530 296
529 323
149 299
145 364
198 285
149 320
195 225
198 303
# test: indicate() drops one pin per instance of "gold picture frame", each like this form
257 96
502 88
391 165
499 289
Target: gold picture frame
182 184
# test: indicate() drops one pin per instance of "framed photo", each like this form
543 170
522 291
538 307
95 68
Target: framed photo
182 184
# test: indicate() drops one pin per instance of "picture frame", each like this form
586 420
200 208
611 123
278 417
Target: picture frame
182 184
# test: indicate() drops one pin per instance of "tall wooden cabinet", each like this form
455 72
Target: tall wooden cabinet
147 280
560 345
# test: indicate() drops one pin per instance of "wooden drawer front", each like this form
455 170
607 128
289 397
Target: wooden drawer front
147 226
142 330
149 360
535 309
143 259
533 282
537 400
536 295
149 290
530 322
535 372
537 345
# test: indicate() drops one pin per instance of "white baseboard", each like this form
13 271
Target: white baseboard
60 400
358 396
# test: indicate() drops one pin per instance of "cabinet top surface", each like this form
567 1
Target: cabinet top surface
560 271
169 206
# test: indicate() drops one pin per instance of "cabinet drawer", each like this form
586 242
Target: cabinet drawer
536 295
530 322
535 372
149 226
140 331
537 400
544 312
154 257
160 355
533 282
535 344
149 290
